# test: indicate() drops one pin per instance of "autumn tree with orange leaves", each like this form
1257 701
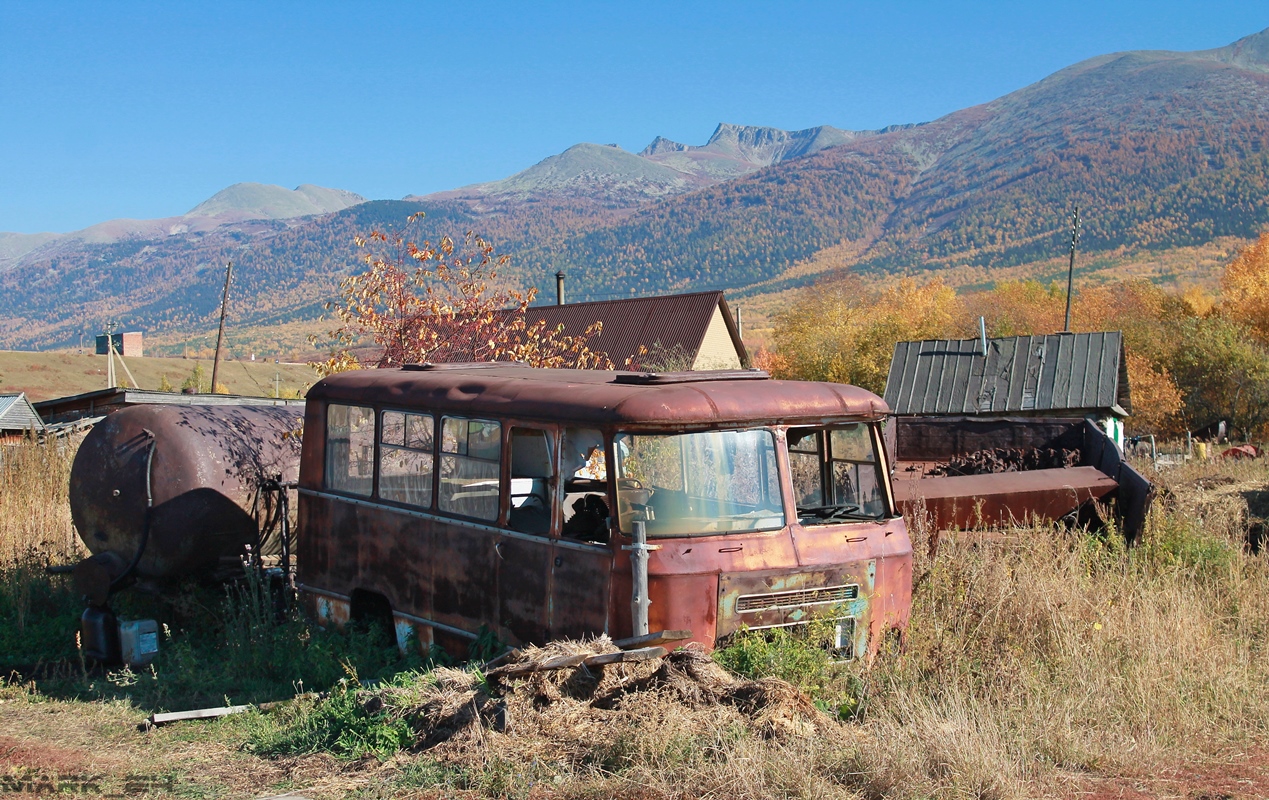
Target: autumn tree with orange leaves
1245 286
842 332
441 303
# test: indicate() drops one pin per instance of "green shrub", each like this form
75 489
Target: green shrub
340 724
800 656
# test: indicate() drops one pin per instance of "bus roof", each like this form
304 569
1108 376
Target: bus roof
688 399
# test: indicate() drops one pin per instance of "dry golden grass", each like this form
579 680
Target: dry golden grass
35 518
46 375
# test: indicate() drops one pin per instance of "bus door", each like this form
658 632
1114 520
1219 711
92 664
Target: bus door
464 572
582 559
524 549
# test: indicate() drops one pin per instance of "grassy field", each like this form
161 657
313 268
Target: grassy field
44 376
1040 662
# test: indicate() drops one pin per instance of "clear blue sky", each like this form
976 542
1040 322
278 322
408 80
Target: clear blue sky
143 110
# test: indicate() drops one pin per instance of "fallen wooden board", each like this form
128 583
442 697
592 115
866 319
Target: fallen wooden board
197 713
659 637
516 670
625 656
493 662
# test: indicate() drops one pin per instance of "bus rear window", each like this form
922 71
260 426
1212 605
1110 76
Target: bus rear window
350 449
698 483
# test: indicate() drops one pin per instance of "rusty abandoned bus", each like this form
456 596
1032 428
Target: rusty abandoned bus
454 497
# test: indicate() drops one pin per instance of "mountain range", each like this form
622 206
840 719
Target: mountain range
614 177
242 202
1159 149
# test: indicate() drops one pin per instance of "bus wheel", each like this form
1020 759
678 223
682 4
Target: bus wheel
371 611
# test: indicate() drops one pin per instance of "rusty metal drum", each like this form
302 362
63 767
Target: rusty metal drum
198 469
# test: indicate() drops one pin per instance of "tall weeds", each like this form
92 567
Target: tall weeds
35 530
34 506
1056 652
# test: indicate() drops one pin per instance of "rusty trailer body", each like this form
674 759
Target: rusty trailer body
918 444
451 498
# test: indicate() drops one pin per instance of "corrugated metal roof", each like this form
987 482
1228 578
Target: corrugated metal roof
671 321
1058 372
100 401
16 413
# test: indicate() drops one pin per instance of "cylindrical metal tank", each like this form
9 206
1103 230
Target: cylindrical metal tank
204 478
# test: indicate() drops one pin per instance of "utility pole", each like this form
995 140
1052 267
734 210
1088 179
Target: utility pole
1070 272
110 359
119 355
277 385
224 308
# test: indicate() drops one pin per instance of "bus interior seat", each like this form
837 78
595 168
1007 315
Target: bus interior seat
589 519
530 506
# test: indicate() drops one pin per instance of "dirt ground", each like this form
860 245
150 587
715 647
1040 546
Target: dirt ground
1242 776
96 750
76 749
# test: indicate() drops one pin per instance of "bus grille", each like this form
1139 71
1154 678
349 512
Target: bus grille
801 597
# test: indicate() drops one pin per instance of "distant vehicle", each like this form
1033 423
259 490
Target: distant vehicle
446 499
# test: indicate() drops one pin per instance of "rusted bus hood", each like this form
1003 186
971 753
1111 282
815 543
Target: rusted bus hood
702 573
794 547
774 599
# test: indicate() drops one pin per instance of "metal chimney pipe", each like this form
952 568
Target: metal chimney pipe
559 288
982 332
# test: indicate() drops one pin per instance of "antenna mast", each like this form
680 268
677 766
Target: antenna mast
1070 272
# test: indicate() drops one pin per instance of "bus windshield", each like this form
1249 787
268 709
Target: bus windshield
698 483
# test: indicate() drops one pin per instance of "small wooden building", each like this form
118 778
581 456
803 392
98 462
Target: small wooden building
18 417
667 333
128 345
1058 375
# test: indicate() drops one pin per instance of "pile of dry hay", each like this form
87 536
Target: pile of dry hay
580 715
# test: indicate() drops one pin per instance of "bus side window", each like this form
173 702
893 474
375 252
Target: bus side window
584 465
471 450
350 449
531 481
405 458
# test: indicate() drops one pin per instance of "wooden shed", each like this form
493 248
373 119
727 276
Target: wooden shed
17 416
666 333
1058 375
